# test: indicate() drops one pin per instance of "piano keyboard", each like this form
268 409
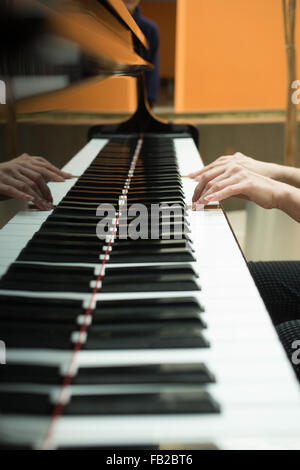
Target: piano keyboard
136 342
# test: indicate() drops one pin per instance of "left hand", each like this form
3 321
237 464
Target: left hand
24 178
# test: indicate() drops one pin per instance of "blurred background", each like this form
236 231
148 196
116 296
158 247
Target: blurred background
222 68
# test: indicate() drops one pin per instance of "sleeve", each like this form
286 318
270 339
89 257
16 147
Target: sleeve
153 76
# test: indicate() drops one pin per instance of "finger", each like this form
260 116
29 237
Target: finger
200 172
44 163
205 180
30 175
28 189
213 166
218 179
219 184
37 182
50 175
196 194
229 191
55 173
11 192
42 204
218 162
195 173
25 179
46 193
22 177
39 164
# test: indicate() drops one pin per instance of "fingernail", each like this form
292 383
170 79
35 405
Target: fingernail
198 206
44 205
210 197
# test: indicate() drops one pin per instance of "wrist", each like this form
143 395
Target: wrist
279 172
283 196
287 175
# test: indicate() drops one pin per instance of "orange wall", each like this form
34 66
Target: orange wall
164 15
113 94
230 55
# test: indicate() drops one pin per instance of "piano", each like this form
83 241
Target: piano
115 341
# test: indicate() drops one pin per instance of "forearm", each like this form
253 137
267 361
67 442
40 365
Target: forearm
287 174
289 201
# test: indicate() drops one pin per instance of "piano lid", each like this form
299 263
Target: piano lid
118 8
71 40
95 29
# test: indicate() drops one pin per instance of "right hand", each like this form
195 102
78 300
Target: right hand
243 183
271 170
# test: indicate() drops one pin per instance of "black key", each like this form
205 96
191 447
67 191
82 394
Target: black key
185 308
146 335
167 402
38 335
144 270
72 209
95 201
61 256
90 228
88 181
163 374
105 185
141 244
29 373
94 249
46 310
59 215
164 255
86 237
90 200
85 191
72 227
59 244
47 278
67 311
24 403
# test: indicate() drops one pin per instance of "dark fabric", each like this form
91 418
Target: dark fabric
151 32
279 285
289 335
